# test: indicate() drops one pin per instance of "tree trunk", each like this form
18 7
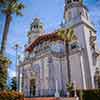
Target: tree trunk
5 33
68 61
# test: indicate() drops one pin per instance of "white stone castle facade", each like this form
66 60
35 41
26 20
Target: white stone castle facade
45 64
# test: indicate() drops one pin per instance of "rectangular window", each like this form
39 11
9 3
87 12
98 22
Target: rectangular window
69 15
73 46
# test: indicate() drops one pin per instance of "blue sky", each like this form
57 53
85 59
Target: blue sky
51 14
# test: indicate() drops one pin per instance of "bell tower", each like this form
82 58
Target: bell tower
74 8
76 16
36 30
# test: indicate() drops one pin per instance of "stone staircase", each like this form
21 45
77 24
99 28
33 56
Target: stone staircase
51 98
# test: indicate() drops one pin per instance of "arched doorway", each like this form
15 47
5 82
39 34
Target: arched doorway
32 87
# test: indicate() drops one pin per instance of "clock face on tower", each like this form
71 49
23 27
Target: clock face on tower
57 47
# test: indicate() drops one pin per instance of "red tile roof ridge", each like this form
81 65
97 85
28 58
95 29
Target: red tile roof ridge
42 38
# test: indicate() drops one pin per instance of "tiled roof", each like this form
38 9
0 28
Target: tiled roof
40 39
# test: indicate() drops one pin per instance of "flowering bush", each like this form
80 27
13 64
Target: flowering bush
11 95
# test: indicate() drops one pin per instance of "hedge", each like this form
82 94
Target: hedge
85 94
11 95
92 94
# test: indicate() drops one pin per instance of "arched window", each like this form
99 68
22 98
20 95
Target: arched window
69 1
40 26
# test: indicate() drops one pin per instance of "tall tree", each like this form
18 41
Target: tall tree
9 7
68 36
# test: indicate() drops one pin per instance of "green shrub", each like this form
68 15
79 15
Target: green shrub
11 95
93 94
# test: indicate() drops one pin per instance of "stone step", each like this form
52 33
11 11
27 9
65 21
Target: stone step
51 98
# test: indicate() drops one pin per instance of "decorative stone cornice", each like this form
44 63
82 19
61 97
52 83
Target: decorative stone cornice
77 21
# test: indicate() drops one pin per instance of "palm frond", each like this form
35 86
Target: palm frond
19 13
13 6
67 34
20 6
70 35
18 9
61 33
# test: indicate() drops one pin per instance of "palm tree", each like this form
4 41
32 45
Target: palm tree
9 7
68 36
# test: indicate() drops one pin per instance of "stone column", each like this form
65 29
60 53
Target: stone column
82 70
20 84
56 93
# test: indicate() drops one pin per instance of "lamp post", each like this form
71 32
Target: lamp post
16 48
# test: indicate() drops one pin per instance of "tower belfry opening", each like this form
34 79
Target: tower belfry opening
73 1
